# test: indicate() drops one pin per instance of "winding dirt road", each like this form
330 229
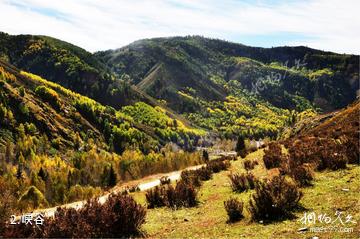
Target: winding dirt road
143 185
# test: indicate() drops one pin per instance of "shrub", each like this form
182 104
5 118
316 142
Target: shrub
250 164
274 199
183 195
273 156
234 209
352 149
322 152
119 216
218 165
242 182
238 182
190 177
164 180
186 194
302 174
204 173
156 197
251 180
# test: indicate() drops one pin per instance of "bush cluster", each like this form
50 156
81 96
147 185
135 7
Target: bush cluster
250 164
184 194
234 209
191 177
302 174
156 197
273 156
119 216
323 153
218 165
242 182
274 199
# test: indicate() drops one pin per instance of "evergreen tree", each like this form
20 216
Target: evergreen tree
112 177
205 155
8 151
108 177
42 174
293 117
240 147
21 162
69 180
19 175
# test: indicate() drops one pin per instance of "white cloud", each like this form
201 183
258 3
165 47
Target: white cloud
104 24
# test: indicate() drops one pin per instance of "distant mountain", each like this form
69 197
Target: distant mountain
164 66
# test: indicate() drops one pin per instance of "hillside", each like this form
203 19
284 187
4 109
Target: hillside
224 87
338 184
58 146
200 66
68 65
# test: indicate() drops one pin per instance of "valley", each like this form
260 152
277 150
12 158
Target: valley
176 137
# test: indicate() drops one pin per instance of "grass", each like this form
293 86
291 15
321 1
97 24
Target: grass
209 218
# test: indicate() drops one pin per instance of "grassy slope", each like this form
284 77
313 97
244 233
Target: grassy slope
209 218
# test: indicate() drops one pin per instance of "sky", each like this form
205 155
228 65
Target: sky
332 25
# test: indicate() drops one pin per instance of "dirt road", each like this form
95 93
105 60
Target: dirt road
143 184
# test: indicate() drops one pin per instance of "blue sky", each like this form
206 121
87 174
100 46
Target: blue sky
332 25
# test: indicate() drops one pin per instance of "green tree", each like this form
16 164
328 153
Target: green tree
42 174
240 146
22 91
205 155
108 176
19 174
112 177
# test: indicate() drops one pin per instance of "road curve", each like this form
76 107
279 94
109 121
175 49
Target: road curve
155 181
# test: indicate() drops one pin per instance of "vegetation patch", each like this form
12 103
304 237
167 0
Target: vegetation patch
119 216
234 209
275 199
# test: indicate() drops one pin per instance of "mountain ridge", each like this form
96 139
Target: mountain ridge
197 78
